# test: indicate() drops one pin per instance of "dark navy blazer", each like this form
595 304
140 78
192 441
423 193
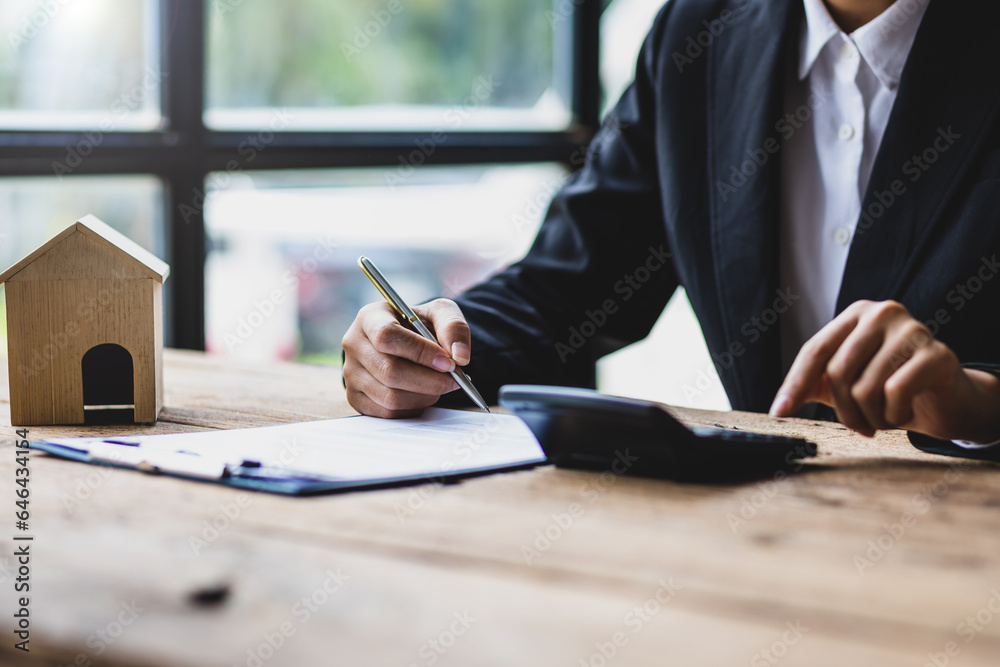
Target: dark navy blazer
688 164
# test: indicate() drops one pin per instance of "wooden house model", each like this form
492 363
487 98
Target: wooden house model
85 330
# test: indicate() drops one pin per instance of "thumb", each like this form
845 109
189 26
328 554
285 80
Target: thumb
446 320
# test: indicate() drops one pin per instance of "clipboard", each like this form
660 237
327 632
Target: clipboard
442 446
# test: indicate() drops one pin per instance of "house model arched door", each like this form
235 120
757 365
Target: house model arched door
108 385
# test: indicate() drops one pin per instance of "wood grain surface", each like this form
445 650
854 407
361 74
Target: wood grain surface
877 554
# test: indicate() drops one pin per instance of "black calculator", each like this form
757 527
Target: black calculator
581 428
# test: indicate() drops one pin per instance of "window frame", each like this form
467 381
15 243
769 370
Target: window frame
183 151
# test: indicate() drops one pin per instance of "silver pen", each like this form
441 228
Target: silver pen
397 303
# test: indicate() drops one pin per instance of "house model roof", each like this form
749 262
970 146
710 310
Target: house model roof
117 242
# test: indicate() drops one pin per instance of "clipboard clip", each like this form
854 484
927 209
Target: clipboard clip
132 455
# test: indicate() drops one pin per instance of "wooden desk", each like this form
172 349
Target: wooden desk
439 574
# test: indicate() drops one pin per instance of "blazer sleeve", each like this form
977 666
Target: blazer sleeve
598 274
946 447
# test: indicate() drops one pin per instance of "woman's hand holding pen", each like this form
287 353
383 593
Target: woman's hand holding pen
392 371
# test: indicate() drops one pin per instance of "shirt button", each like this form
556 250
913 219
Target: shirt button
846 132
842 235
846 51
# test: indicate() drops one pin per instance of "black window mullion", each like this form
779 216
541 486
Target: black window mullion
587 64
182 38
326 150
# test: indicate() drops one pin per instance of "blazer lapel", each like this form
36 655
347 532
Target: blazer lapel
747 75
948 98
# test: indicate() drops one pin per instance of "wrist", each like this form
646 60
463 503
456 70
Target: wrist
985 419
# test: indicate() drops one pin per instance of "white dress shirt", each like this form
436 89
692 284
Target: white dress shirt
846 86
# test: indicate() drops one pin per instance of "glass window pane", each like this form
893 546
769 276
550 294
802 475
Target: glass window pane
398 64
282 275
624 25
34 209
79 65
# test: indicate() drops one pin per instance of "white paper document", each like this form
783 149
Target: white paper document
353 449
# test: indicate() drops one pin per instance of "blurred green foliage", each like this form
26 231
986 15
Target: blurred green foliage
320 53
295 53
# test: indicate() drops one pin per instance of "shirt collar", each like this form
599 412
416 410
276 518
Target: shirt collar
884 42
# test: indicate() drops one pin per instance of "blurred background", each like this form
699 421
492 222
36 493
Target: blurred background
260 147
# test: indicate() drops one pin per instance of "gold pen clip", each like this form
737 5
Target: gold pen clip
385 295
